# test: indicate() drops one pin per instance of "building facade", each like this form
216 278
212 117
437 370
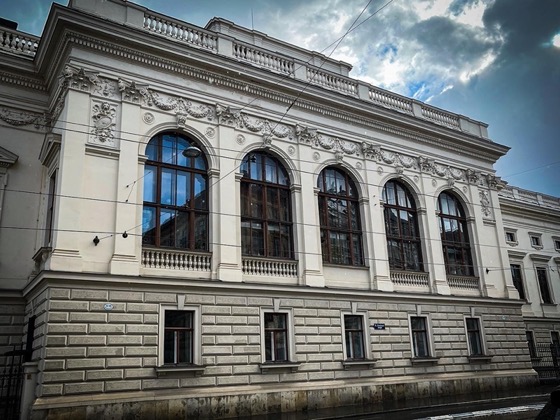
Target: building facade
209 221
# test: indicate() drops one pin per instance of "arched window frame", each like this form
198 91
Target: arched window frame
174 183
348 249
266 207
404 245
452 213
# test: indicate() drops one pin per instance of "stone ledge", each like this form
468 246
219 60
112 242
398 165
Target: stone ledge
293 366
178 369
365 363
483 358
424 360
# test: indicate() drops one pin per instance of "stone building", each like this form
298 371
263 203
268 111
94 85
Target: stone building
210 221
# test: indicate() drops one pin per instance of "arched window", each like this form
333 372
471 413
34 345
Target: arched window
454 236
339 213
401 227
175 212
266 212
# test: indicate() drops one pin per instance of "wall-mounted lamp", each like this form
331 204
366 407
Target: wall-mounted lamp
191 151
95 240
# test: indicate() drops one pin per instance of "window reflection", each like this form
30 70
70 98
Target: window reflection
175 212
401 227
339 215
454 236
266 221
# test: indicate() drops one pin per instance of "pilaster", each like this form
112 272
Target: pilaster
125 259
226 236
309 232
67 229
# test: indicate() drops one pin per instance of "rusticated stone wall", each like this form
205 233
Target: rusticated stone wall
90 353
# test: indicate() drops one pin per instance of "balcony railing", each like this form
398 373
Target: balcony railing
409 278
263 58
180 31
18 42
390 100
267 267
176 260
332 81
463 282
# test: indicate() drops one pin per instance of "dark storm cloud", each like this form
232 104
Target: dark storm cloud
452 43
527 24
520 94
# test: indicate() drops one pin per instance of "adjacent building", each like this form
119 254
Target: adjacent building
210 221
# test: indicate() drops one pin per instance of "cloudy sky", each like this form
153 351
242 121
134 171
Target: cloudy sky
496 61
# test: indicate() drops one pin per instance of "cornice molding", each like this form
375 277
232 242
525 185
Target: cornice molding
7 158
248 88
22 81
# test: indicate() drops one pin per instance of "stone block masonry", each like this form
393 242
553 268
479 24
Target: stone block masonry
90 348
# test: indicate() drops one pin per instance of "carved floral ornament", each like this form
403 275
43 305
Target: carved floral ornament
21 118
103 123
234 117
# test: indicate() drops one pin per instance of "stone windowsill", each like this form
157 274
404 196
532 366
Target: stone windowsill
424 360
176 369
480 358
537 246
268 366
512 243
363 363
352 267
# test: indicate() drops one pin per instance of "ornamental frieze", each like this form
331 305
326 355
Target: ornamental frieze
306 135
104 116
258 125
105 88
21 118
131 91
229 116
485 203
79 79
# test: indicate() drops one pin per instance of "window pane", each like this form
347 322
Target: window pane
271 174
168 153
201 232
357 243
168 186
256 201
167 227
148 226
255 167
257 239
517 280
281 346
274 242
272 210
200 192
283 178
246 237
182 144
182 230
150 183
183 189
354 221
178 319
169 347
285 208
152 149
